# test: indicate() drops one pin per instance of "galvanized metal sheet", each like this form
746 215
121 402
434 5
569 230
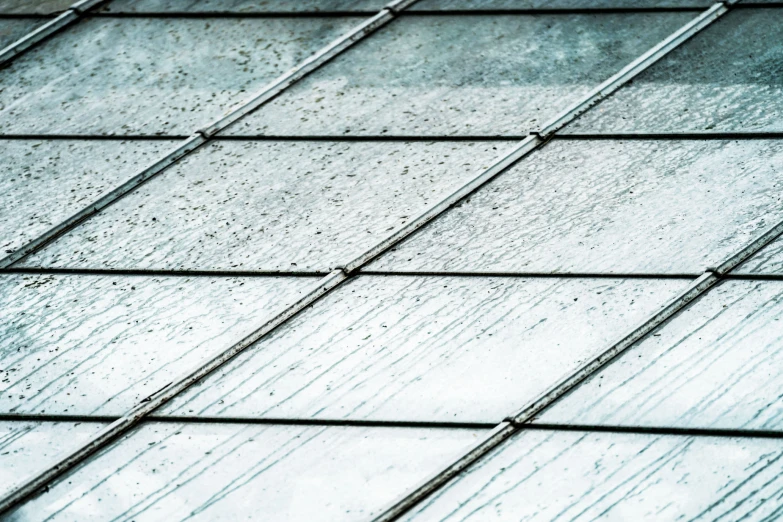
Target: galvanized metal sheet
610 206
728 78
270 205
232 472
100 344
445 5
462 75
12 29
548 475
38 7
152 75
28 446
46 181
768 261
426 348
242 6
718 364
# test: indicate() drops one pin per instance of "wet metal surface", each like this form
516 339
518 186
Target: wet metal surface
232 472
26 446
768 261
549 475
38 7
716 365
152 76
242 6
100 344
462 75
609 206
728 78
426 348
46 181
445 5
270 205
13 29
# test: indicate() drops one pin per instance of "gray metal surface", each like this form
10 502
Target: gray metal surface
231 472
233 206
716 365
462 75
550 475
392 348
46 181
38 7
242 6
608 206
26 445
152 76
725 79
100 344
12 29
767 261
469 5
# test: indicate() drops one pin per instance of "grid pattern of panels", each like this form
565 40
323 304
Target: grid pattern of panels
350 292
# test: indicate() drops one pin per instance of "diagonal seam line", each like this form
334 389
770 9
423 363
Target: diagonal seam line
68 17
338 276
518 421
39 480
203 135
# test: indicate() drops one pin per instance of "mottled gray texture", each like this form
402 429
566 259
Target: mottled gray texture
767 261
427 348
546 475
270 205
609 206
235 472
99 344
462 75
45 182
718 364
13 29
152 76
38 7
242 6
728 78
27 447
444 5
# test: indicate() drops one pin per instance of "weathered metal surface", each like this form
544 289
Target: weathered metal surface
100 344
546 475
728 78
152 76
608 206
230 472
270 206
462 75
447 349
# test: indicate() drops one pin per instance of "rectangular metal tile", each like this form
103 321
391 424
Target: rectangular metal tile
616 206
15 28
550 475
768 261
100 344
248 472
270 205
38 7
462 75
242 6
153 75
728 78
27 447
717 364
445 5
46 181
426 348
